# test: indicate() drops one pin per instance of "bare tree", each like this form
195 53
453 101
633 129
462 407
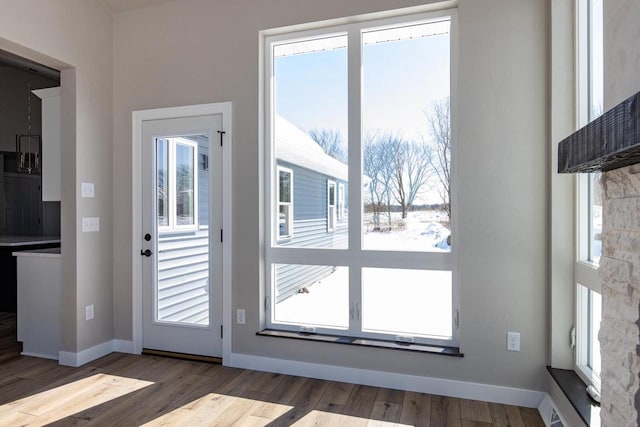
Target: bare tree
378 167
399 170
440 127
418 160
331 142
412 162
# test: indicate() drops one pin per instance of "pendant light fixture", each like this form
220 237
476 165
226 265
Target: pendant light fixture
29 146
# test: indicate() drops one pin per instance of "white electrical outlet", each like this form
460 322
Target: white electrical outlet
240 316
513 341
89 312
90 224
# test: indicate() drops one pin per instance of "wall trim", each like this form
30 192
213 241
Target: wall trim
40 355
123 346
83 357
439 386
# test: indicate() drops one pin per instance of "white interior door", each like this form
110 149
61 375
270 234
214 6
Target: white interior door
181 239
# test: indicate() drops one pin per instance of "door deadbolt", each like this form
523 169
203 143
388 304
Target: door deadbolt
147 237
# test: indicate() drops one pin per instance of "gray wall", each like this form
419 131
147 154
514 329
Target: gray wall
502 156
76 36
561 247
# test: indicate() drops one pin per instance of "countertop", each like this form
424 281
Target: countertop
41 253
15 241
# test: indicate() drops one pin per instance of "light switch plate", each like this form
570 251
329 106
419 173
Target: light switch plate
89 312
87 189
90 224
240 316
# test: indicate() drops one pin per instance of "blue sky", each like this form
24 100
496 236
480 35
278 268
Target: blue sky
401 79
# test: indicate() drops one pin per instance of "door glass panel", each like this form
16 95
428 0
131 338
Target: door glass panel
316 295
182 271
415 302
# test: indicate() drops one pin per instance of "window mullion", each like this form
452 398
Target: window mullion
355 300
354 72
355 137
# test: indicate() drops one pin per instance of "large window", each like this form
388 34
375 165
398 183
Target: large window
177 182
589 196
361 115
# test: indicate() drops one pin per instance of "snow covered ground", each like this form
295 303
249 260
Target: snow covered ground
415 302
420 231
411 302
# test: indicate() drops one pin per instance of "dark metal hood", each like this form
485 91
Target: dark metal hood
609 142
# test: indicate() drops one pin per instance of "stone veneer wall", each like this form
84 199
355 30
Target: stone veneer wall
620 275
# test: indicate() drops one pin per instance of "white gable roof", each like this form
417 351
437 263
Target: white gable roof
296 147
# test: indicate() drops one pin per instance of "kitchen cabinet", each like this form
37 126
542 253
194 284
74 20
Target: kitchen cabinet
39 301
9 245
51 143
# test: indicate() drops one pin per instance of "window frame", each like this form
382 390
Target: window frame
332 209
354 257
172 197
586 279
342 212
289 204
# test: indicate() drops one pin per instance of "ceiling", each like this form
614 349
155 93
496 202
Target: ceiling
118 6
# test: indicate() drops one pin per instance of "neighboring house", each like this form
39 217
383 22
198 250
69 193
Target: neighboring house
312 204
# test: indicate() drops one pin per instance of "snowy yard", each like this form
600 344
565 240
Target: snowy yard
393 301
420 231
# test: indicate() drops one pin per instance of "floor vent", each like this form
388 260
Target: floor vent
550 414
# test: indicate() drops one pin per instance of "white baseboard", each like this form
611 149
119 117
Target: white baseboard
442 387
123 346
85 356
40 355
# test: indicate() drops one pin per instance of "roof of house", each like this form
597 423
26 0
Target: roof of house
296 147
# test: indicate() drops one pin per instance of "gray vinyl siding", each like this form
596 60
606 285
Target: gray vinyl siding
291 278
183 277
309 230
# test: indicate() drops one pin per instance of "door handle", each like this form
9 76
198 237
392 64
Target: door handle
146 253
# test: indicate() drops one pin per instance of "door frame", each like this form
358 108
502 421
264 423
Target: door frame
138 117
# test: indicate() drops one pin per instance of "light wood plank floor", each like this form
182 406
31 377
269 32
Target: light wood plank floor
127 390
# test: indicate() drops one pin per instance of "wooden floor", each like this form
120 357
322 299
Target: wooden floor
9 346
127 390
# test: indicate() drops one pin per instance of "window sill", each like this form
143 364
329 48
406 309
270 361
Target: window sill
420 348
576 392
